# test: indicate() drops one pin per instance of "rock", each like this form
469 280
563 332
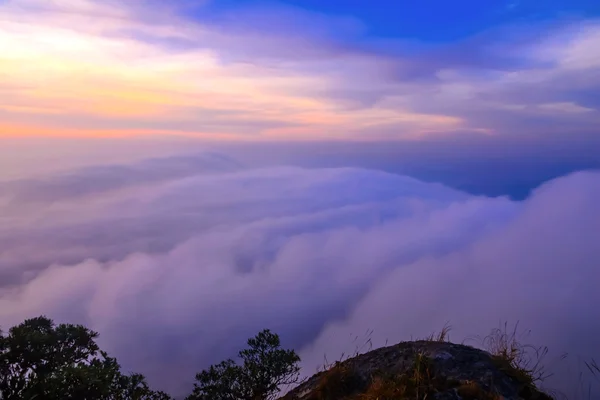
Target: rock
420 370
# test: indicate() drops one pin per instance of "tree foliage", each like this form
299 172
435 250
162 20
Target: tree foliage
264 369
42 361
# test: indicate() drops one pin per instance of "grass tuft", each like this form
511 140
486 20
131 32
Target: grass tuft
441 336
522 362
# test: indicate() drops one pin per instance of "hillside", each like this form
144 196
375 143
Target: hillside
421 370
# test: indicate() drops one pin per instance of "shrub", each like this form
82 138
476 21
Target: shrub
265 368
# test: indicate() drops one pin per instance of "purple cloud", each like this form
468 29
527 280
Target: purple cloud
178 273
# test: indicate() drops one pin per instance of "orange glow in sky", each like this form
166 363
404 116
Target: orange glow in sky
88 68
65 76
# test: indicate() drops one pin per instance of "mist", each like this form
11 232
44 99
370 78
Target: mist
177 261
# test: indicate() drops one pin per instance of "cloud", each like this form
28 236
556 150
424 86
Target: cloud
176 274
128 76
564 107
89 68
103 178
538 269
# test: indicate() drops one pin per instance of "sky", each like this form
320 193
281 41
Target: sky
246 70
180 175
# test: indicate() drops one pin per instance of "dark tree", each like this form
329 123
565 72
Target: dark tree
264 368
41 361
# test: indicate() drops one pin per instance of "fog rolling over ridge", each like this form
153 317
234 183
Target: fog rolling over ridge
177 261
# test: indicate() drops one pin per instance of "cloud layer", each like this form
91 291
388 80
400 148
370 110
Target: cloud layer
175 273
89 68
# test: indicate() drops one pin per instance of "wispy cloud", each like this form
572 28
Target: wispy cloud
84 67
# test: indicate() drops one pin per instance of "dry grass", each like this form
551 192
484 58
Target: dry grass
473 391
337 383
362 344
384 389
441 336
420 382
522 362
594 368
584 389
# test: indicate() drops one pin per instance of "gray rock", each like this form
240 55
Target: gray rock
419 370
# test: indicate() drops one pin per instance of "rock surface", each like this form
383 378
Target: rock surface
419 370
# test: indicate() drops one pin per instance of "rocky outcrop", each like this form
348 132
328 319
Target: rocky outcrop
420 370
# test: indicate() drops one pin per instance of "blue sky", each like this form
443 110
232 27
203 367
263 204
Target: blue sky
434 20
